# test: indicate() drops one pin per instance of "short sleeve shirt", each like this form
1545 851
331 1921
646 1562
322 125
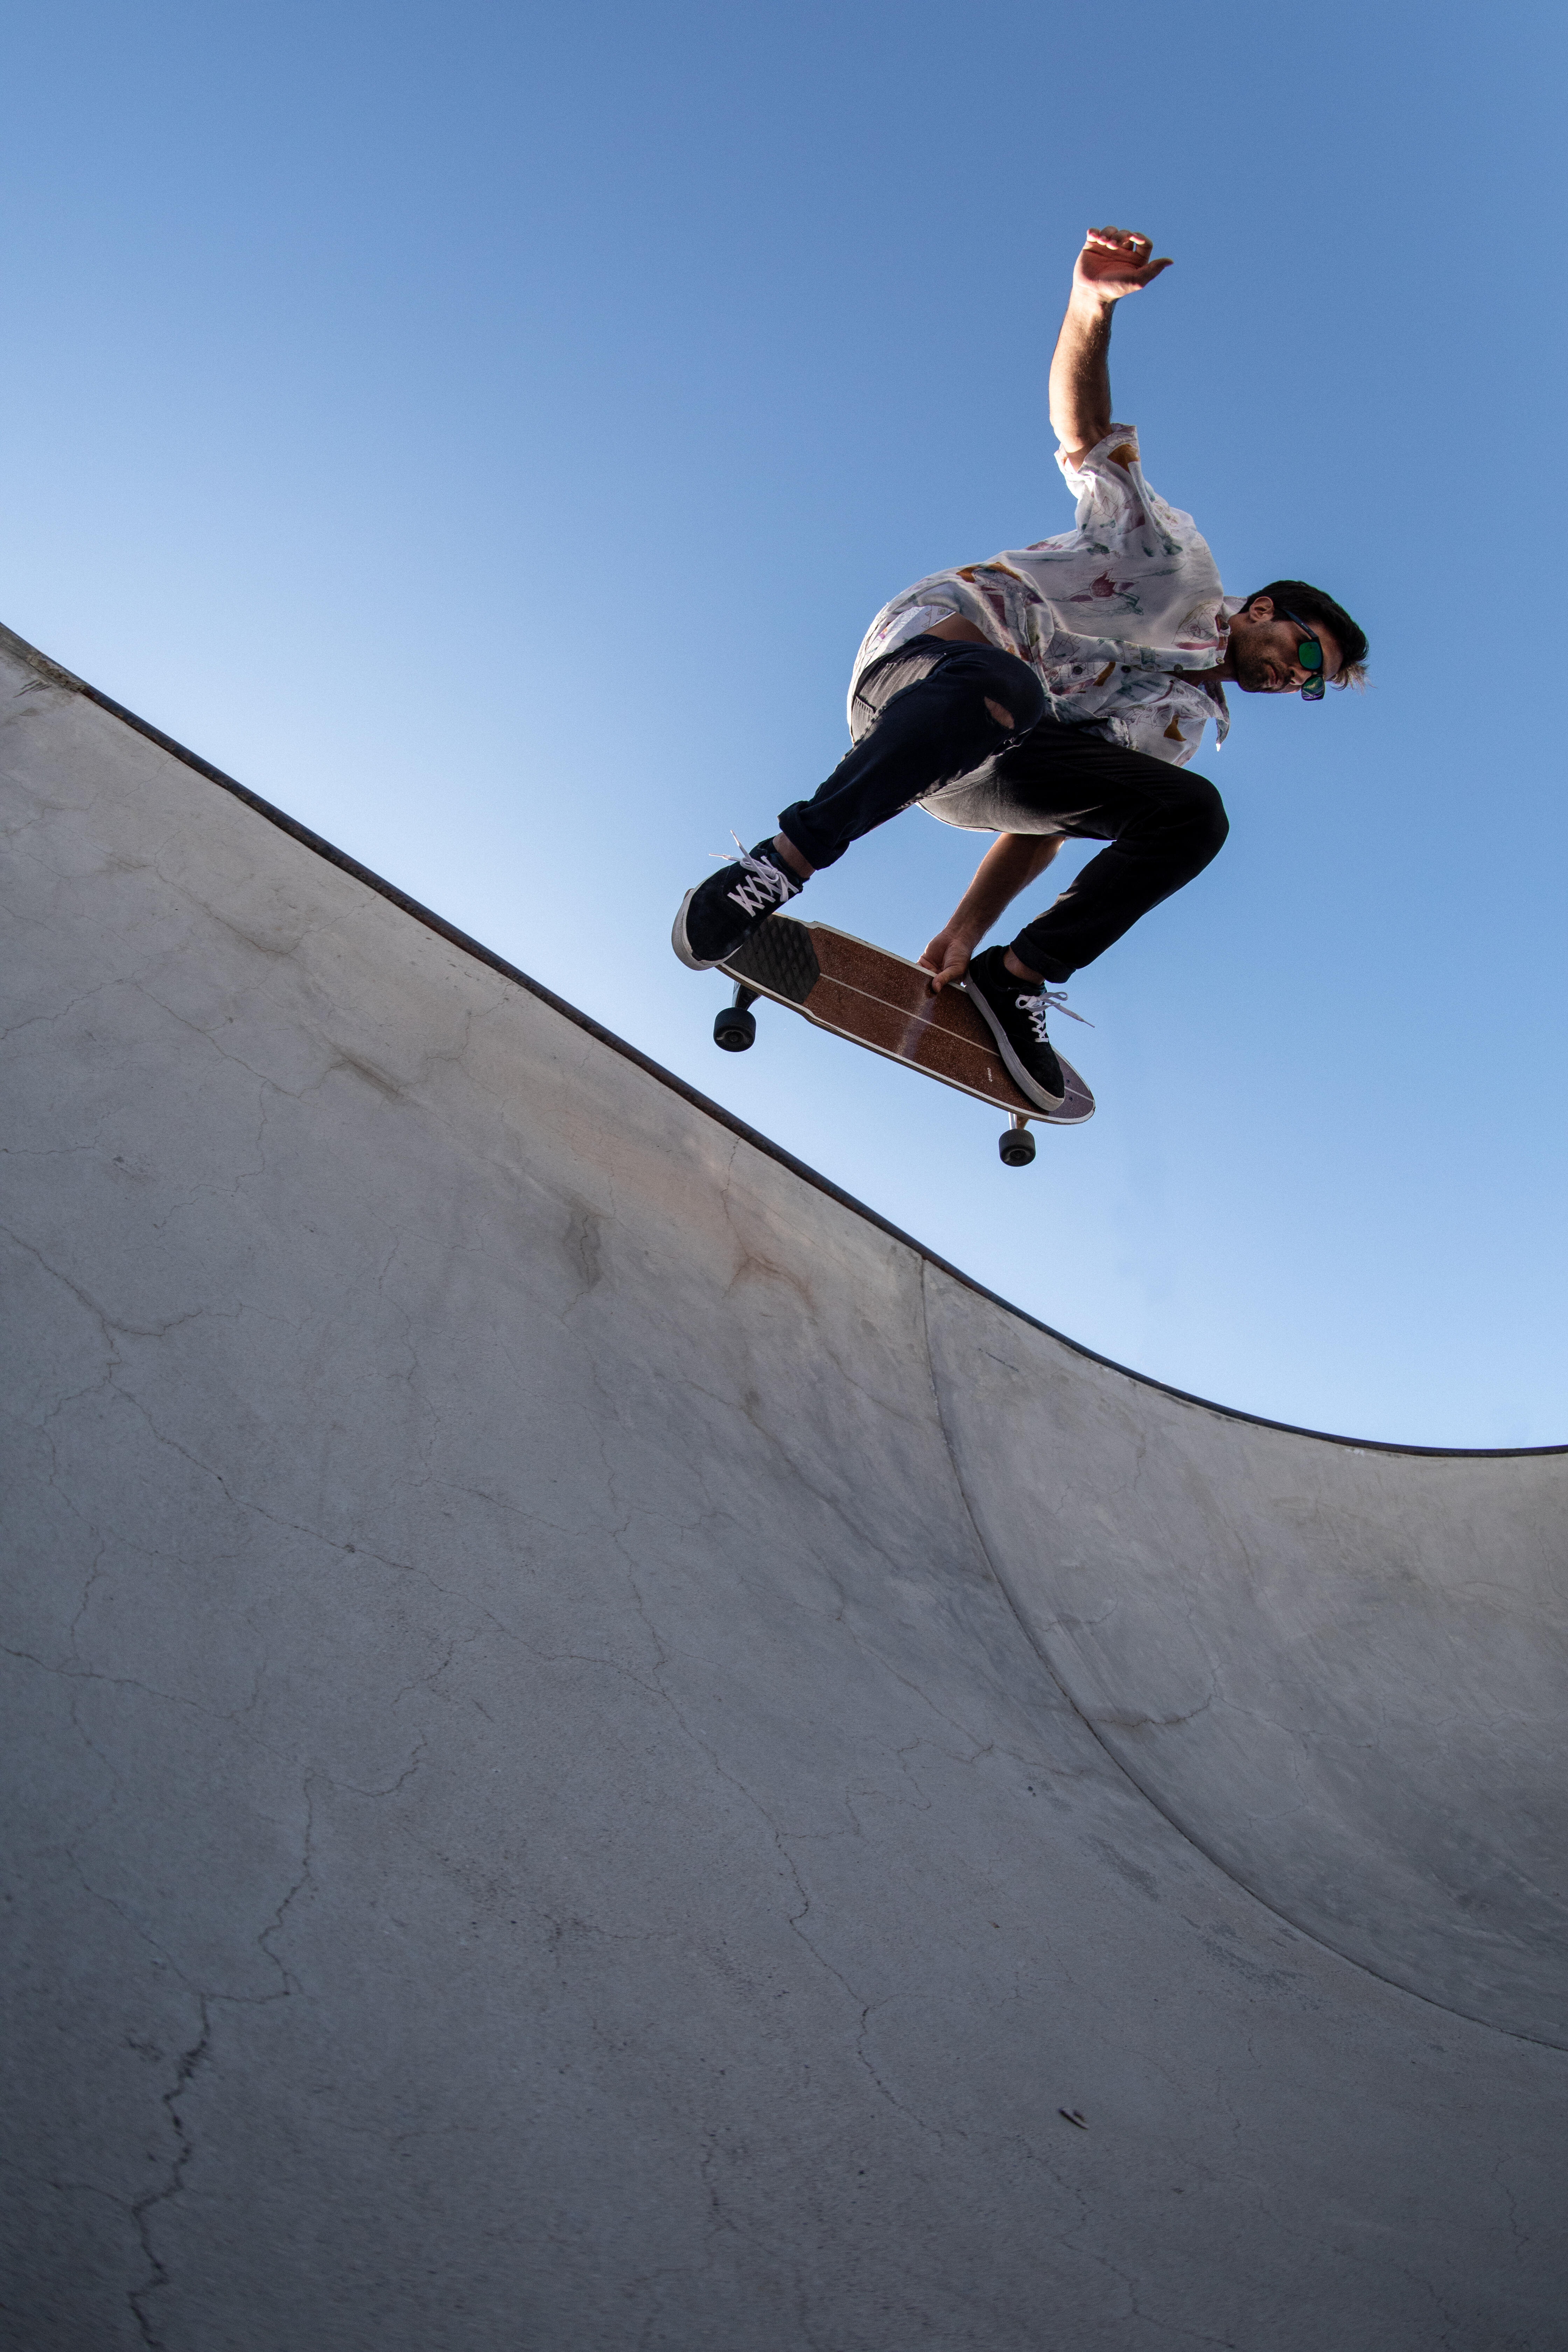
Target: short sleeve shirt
1107 614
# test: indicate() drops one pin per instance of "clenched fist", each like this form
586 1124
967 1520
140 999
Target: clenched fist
1115 261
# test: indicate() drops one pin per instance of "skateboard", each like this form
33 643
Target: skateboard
846 986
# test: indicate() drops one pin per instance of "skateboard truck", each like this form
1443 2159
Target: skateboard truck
1015 1144
736 1027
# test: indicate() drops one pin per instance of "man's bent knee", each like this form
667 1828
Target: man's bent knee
1203 819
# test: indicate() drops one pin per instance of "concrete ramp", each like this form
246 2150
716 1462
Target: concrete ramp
607 1757
1342 1670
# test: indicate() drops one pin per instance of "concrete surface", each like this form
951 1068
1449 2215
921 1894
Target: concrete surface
599 1746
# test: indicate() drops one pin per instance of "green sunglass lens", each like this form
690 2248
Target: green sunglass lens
1309 655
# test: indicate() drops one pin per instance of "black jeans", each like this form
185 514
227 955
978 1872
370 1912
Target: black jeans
923 733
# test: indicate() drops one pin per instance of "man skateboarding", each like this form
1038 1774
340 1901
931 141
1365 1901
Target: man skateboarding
1055 692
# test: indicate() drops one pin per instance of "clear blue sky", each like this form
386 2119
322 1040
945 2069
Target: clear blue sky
486 431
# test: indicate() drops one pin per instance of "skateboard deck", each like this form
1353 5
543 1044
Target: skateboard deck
846 986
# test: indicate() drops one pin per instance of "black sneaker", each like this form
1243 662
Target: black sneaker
1014 1011
720 913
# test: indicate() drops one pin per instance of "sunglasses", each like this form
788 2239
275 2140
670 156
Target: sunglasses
1309 654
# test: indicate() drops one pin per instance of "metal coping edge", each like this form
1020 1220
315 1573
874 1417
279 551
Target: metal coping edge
57 675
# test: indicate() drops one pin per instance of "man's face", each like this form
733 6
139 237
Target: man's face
1263 650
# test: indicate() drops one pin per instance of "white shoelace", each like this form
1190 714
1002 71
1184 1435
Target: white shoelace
767 885
1043 1002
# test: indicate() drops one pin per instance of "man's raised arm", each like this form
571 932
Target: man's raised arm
1113 262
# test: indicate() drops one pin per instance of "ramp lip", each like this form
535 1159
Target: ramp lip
57 675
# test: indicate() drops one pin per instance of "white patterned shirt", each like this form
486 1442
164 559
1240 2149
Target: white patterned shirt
1106 613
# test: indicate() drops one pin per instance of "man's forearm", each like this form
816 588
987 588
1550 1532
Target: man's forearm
1009 865
1114 262
1080 373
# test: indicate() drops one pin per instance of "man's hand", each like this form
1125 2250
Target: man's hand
947 957
1114 262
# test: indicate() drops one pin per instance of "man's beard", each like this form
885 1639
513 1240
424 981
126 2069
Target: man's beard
1252 674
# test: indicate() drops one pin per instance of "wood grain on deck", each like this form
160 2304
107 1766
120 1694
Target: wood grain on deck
885 1002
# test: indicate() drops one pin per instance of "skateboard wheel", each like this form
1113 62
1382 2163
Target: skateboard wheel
735 1029
1016 1146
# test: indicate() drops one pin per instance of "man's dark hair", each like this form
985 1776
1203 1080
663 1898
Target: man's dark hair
1311 604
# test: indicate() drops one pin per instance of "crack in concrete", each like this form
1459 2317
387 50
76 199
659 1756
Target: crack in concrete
144 2207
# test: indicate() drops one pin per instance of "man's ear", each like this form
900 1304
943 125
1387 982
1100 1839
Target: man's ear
1260 608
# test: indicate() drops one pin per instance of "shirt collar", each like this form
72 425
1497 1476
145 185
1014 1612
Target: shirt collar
1215 707
1215 694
